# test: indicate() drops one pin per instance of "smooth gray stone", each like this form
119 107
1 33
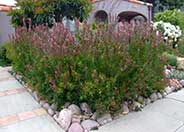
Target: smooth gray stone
75 109
153 97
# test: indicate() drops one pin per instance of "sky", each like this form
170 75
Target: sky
7 2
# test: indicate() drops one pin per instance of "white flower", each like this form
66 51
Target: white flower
170 32
165 38
177 27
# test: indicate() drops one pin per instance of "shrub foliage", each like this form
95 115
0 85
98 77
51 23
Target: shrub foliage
175 17
102 66
171 59
4 61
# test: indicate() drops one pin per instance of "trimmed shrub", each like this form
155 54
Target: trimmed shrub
171 59
102 66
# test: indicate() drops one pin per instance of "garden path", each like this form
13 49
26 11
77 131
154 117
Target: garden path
19 112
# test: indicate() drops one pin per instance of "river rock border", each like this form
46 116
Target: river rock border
73 118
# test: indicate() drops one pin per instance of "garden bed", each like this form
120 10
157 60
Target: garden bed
86 79
81 118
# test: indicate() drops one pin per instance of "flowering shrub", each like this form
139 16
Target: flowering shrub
102 66
170 32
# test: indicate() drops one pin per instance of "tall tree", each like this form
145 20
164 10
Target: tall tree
45 11
171 4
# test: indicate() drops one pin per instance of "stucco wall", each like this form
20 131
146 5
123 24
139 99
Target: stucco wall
5 27
114 7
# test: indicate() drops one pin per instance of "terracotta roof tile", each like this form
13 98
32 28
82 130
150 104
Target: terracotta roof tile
133 1
5 8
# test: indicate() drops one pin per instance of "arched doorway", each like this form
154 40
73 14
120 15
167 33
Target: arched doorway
131 17
101 16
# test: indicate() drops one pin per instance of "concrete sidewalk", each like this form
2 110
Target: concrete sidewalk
166 115
19 112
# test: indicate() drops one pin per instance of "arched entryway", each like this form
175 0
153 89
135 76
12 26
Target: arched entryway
131 17
101 16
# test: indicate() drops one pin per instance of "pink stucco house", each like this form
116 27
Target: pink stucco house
123 10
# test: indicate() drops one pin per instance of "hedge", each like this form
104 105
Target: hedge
102 65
